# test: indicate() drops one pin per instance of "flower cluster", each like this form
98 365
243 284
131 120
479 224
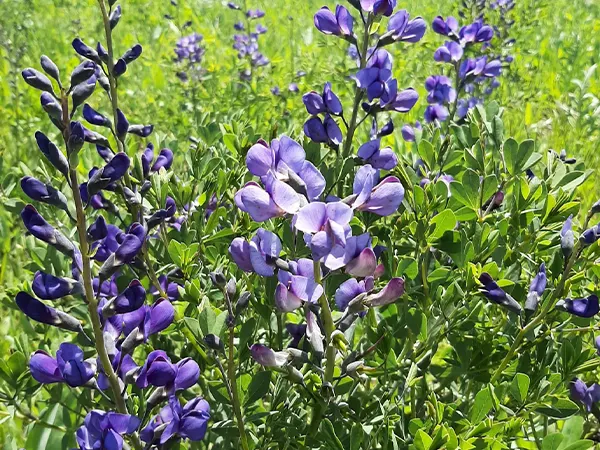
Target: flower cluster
107 263
246 41
374 79
189 52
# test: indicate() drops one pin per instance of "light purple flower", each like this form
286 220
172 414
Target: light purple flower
297 286
378 197
339 24
326 225
264 356
400 28
379 158
449 52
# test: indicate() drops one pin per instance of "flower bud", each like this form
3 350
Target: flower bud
49 287
97 230
49 67
51 106
76 138
45 232
37 80
120 67
81 93
242 302
214 342
295 375
85 51
111 172
115 16
218 279
141 130
94 117
122 125
36 310
132 54
82 72
231 288
52 153
36 190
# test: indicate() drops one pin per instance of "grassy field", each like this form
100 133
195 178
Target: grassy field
550 93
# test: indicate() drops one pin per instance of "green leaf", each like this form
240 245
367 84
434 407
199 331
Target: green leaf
580 445
552 441
207 319
560 408
422 441
511 150
41 437
481 406
259 386
329 435
427 153
176 250
407 267
445 221
519 387
572 431
356 436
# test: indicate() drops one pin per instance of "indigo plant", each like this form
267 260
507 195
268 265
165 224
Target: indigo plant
246 40
314 283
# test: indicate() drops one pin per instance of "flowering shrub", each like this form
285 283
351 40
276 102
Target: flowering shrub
328 290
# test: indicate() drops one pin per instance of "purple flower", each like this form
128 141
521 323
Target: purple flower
339 24
69 366
352 288
163 160
472 68
293 87
591 235
277 200
409 132
326 131
440 89
275 90
110 173
259 255
379 158
581 307
45 232
325 225
36 310
536 289
403 101
327 102
477 32
170 288
297 286
445 27
450 52
285 160
255 13
189 48
401 29
497 295
378 197
94 117
436 113
376 78
266 357
102 430
131 299
188 422
49 287
159 371
583 394
379 7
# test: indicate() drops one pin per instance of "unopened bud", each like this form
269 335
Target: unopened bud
242 302
231 288
218 279
214 342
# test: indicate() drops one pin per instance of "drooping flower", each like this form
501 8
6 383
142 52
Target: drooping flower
259 254
402 29
581 307
49 287
328 102
36 310
339 24
379 7
45 232
264 356
69 366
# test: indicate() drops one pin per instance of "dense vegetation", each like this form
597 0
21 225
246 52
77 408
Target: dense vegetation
341 247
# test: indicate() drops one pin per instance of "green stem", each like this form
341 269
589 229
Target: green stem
235 401
540 317
358 92
329 325
93 304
